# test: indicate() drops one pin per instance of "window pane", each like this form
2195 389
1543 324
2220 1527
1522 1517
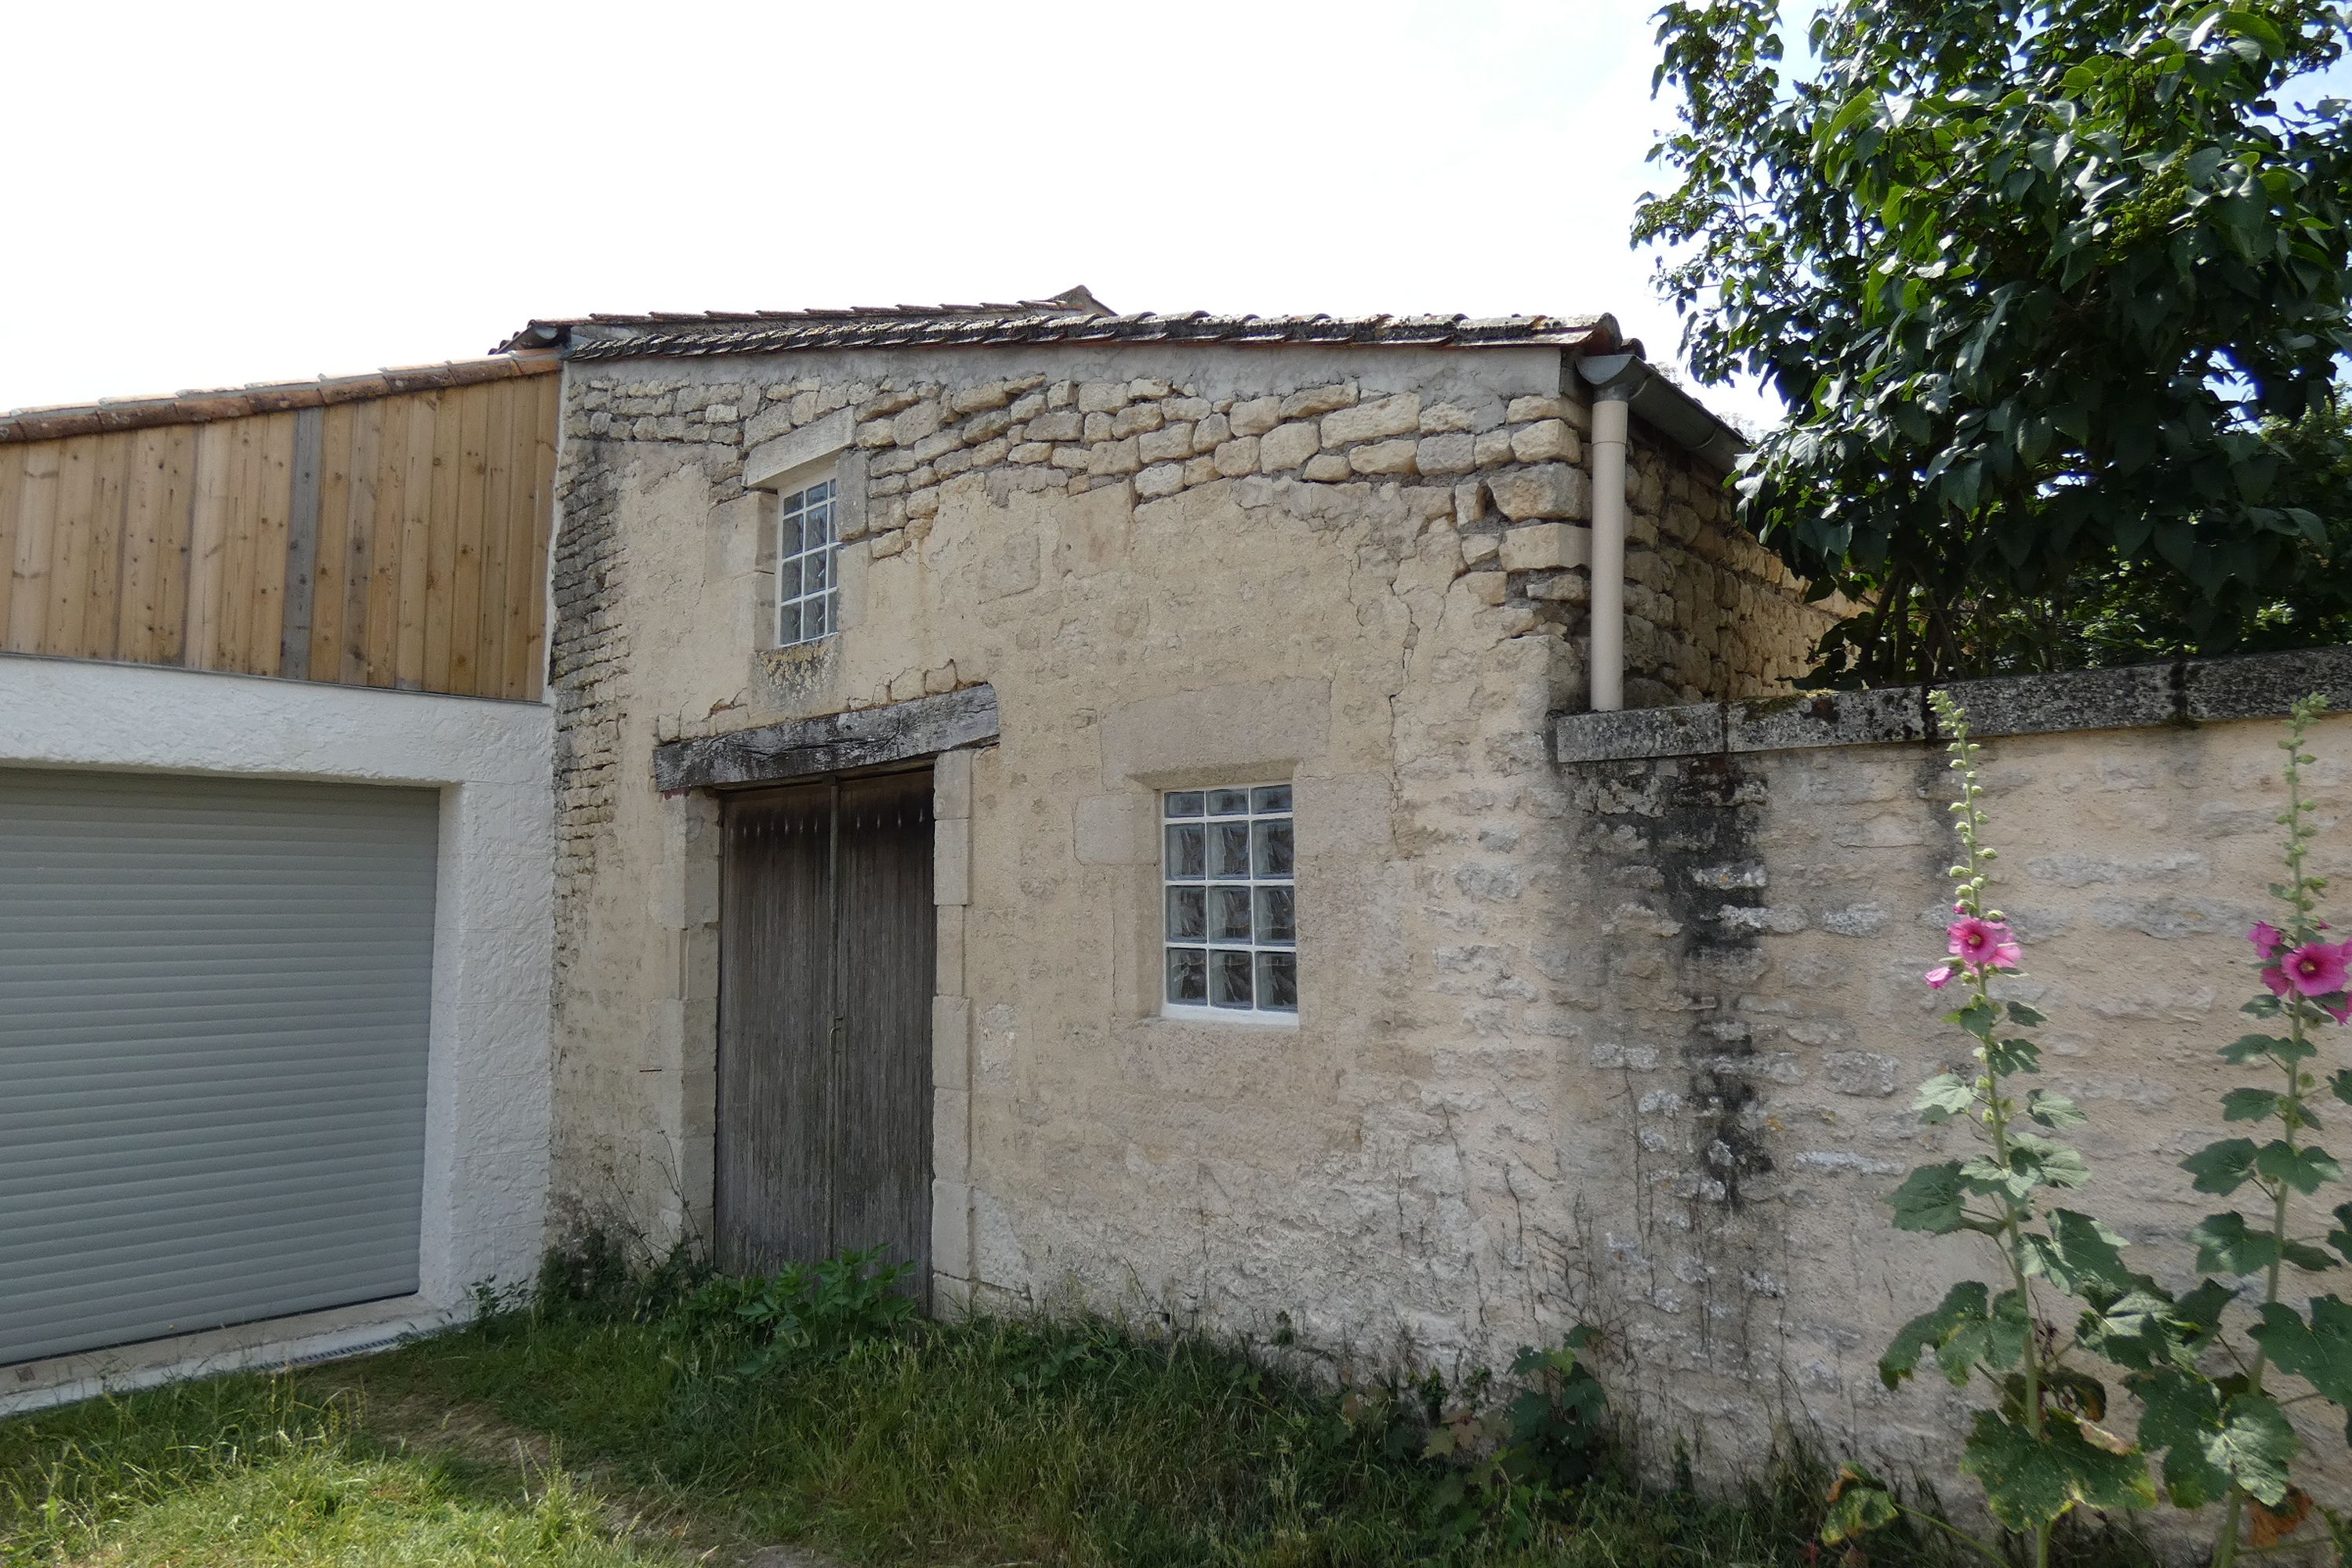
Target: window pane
1277 917
1270 797
1274 856
1187 914
1184 851
817 526
816 570
788 536
1188 974
1229 980
1229 848
1184 803
788 624
1278 982
815 617
1229 914
1228 801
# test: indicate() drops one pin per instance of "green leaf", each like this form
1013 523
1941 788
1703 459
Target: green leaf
1978 1018
1929 1200
2196 1317
2030 1482
2221 1168
2024 1013
2208 1442
2254 1446
2340 1238
2012 1055
2340 1083
2224 1241
1943 1096
2318 1352
2302 1169
2053 1109
2137 1329
2078 1254
2249 1105
2178 1411
2250 1048
1859 1502
1964 1330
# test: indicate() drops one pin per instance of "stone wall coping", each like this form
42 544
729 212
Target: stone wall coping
2137 696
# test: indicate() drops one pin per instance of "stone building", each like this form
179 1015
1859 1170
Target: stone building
1228 645
1268 823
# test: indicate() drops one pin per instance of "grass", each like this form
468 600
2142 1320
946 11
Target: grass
270 1470
989 1442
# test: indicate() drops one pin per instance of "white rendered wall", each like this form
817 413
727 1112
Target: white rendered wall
487 1098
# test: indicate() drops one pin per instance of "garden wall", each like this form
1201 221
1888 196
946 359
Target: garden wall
1763 885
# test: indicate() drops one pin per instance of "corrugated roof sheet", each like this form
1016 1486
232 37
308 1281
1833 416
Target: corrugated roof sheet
1075 317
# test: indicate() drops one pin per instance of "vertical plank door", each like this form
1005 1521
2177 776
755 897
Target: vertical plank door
826 970
887 929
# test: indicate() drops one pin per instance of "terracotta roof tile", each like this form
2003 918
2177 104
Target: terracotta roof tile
1076 317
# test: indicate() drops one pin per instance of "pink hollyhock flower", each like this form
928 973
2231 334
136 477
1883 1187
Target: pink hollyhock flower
1987 943
2341 1010
1941 976
2275 978
2316 968
2265 937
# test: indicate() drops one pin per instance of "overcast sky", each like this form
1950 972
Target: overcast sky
203 195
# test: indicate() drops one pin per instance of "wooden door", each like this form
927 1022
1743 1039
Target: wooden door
827 973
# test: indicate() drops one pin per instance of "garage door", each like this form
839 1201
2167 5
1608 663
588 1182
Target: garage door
214 1005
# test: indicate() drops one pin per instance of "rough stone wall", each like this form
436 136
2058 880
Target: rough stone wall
1745 1020
1710 613
1360 570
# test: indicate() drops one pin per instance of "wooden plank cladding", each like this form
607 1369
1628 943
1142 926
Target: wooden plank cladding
393 538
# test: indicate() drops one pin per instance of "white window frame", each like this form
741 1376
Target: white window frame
793 507
1263 872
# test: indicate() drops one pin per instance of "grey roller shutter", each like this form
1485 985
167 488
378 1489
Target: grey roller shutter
214 999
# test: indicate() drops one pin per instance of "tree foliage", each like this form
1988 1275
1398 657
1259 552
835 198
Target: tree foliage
2054 291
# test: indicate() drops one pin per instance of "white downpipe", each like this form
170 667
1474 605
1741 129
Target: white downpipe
1608 672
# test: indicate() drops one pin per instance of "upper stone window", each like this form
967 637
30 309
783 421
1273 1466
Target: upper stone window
1229 878
808 584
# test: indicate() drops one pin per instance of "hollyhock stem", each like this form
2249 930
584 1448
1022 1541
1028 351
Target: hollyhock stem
2015 1211
2301 892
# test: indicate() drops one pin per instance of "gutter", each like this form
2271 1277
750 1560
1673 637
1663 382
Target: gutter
1624 385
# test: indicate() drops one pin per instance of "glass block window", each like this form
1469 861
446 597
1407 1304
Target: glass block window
1232 900
807 590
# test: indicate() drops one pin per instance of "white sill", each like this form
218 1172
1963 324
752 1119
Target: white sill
1180 1013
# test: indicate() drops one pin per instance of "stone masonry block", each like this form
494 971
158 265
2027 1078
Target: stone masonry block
951 1042
1547 547
951 861
952 785
1446 454
1547 440
1546 490
950 1134
1383 417
1287 446
1313 400
1382 458
1256 415
949 951
952 1227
